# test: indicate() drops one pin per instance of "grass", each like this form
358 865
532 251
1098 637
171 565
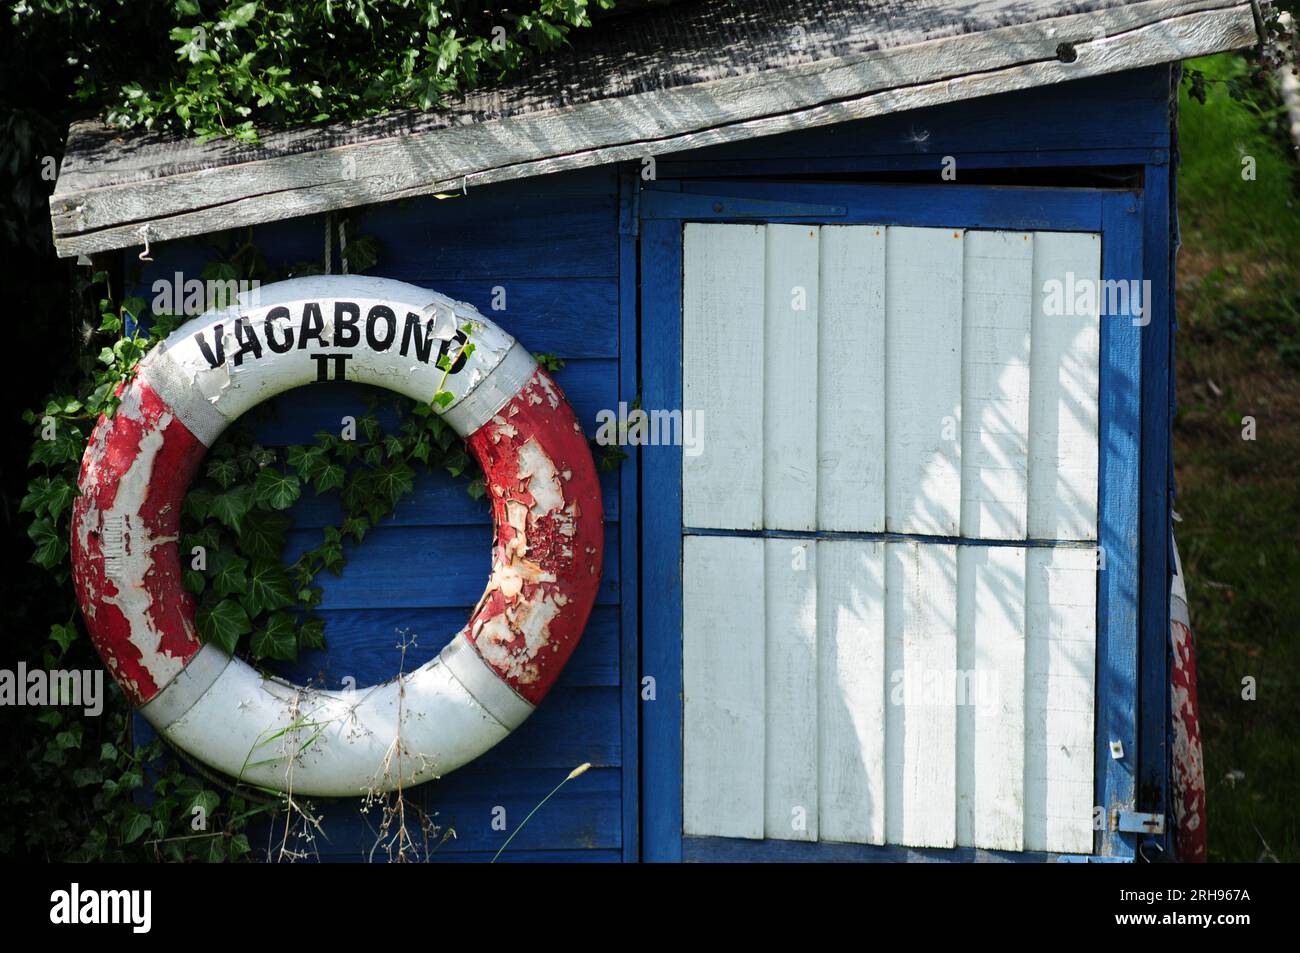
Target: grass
1238 354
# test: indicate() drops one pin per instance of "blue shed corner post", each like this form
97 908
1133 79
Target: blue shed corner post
661 546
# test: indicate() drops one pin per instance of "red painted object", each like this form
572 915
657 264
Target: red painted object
1188 764
125 527
546 559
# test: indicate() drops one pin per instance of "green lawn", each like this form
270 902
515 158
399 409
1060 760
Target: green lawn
1238 354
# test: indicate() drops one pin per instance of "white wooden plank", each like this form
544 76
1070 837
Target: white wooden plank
722 374
851 379
790 760
991 696
920 720
995 383
923 380
851 690
1063 390
1060 650
722 686
790 379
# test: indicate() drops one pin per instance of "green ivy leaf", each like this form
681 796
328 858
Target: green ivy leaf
356 527
269 587
279 640
329 477
393 481
276 490
264 537
311 634
223 624
203 798
224 472
232 506
51 548
66 446
48 496
230 579
134 826
63 636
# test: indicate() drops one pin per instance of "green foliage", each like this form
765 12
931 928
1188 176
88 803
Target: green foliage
206 68
1239 200
1238 351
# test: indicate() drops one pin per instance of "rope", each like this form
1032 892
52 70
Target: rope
329 250
343 243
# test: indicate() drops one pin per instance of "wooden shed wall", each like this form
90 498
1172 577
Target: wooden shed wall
552 244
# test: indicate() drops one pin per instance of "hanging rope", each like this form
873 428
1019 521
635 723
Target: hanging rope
343 244
329 237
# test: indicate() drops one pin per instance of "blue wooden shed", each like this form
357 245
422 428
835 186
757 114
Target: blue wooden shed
887 573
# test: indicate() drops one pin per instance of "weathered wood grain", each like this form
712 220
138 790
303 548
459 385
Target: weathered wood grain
772 100
920 723
851 690
851 379
1063 391
722 374
923 311
991 697
1060 659
790 384
996 292
724 696
790 700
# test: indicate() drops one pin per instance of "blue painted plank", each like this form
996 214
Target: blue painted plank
570 727
629 531
732 850
923 162
499 234
568 317
364 644
1118 503
1120 111
430 566
953 205
1157 372
661 547
293 417
585 812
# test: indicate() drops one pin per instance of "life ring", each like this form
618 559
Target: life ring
546 555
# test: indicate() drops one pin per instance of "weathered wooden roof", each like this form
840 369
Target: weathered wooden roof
661 79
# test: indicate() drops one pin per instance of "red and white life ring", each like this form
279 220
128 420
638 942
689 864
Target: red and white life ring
546 556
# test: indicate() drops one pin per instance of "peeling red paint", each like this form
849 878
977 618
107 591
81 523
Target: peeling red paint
143 449
547 554
1188 766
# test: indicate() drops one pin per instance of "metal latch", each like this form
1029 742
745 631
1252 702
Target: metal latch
1136 822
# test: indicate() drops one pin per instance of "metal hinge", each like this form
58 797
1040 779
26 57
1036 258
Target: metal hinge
656 204
1136 822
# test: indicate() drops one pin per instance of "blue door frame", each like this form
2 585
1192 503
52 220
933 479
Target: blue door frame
662 210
